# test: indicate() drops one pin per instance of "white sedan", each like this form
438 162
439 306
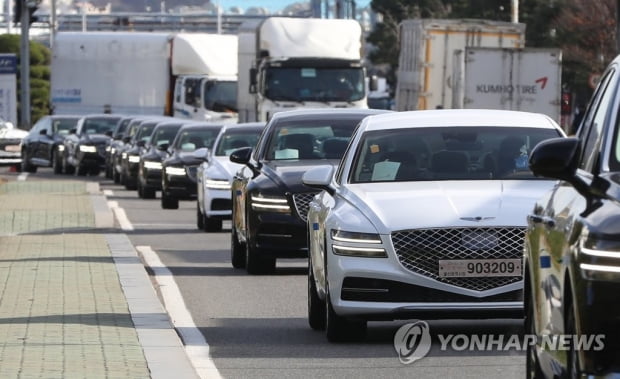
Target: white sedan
215 174
424 218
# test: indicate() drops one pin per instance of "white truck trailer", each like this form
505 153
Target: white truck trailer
427 49
287 63
176 74
527 79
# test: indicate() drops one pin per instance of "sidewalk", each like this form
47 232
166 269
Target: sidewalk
75 299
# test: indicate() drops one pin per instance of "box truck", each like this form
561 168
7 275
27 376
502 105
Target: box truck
188 75
287 63
526 79
427 47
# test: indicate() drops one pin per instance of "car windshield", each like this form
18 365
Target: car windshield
192 139
236 139
314 84
310 139
99 125
220 96
61 126
144 132
164 135
446 153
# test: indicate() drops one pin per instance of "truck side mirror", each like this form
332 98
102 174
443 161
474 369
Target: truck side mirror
253 73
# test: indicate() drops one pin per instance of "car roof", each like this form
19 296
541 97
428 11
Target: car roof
459 117
327 113
244 126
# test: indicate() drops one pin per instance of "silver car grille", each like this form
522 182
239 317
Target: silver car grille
302 203
420 251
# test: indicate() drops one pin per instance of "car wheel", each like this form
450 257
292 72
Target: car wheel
237 249
199 218
130 183
211 224
116 176
67 168
574 369
81 170
26 166
57 162
148 193
533 370
341 329
256 263
168 202
316 306
94 171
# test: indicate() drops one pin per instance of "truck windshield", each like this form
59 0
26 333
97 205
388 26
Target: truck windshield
221 96
314 84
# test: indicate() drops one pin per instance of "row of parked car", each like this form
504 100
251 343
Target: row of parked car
422 214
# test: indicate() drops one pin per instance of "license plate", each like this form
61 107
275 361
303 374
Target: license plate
472 268
11 148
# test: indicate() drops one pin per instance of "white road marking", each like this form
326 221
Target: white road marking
121 216
108 192
22 177
195 344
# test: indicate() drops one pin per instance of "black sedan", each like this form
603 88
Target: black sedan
43 145
179 169
270 202
156 150
84 146
572 249
130 157
113 145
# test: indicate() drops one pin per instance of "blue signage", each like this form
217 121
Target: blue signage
8 64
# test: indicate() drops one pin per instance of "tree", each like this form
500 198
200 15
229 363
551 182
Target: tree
40 59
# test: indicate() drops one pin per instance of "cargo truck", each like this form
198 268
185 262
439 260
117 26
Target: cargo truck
527 79
427 49
187 75
287 63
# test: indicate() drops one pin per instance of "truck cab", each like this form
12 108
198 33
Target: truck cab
200 97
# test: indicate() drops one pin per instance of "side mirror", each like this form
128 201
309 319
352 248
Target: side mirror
556 158
72 131
202 153
126 139
241 156
43 132
163 147
108 133
253 81
319 177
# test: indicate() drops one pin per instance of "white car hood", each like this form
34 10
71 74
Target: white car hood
225 166
11 132
410 205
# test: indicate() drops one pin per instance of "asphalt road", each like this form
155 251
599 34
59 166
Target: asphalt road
256 326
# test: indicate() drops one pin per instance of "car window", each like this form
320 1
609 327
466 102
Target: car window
98 125
164 135
236 139
594 125
312 139
62 126
192 139
446 153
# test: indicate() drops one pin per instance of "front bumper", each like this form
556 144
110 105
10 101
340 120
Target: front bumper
279 234
218 203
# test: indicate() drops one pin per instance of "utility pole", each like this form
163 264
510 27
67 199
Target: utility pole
25 66
52 23
514 11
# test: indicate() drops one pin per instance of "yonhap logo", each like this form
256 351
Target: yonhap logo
412 341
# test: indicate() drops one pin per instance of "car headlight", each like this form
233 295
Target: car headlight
134 158
88 149
61 147
353 244
217 184
598 255
270 203
151 165
175 171
124 156
112 150
107 149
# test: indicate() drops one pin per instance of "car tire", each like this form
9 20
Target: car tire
67 168
57 162
94 171
341 329
237 249
199 217
256 263
148 193
81 170
316 307
168 202
573 366
26 165
532 370
211 224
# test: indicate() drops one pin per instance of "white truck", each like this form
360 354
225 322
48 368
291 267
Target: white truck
427 49
526 79
187 75
287 63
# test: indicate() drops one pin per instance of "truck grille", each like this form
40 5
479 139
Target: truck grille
302 203
420 250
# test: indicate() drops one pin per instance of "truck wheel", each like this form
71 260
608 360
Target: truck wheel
256 263
168 202
237 250
341 329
